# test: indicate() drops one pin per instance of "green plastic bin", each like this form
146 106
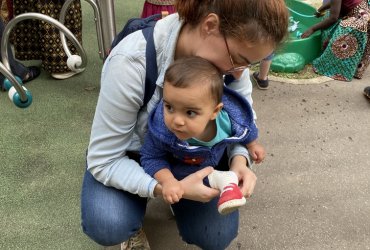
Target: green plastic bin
307 48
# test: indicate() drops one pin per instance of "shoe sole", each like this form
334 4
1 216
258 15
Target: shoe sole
254 80
230 206
62 76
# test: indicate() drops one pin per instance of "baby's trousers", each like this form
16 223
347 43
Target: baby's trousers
110 216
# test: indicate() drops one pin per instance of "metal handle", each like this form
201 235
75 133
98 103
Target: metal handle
98 25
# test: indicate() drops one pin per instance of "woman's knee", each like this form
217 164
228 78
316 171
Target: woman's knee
109 216
201 224
218 239
109 230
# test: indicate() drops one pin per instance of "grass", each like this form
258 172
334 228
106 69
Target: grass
42 152
306 73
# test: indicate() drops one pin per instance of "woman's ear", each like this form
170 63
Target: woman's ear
210 25
217 110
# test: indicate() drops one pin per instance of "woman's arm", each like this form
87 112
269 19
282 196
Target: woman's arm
247 179
115 121
193 187
195 190
335 8
324 7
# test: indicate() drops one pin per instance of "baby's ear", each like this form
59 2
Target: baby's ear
217 110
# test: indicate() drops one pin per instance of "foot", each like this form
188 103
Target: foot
33 72
62 76
136 242
367 92
261 84
231 199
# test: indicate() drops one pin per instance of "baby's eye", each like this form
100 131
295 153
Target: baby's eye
168 108
191 113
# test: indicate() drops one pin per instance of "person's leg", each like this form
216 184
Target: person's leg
261 78
202 225
367 92
109 216
16 67
264 69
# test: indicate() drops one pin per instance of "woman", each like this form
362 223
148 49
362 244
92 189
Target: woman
152 7
230 34
37 40
345 39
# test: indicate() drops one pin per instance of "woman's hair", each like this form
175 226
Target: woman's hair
186 71
251 20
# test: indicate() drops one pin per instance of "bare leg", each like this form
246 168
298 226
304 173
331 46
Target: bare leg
264 69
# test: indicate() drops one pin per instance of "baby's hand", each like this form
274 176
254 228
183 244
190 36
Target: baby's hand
172 191
257 152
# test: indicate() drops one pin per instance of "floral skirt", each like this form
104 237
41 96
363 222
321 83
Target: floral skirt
345 44
38 40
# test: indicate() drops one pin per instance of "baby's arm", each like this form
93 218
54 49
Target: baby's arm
172 190
256 151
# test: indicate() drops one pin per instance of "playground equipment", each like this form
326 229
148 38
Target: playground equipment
298 52
105 28
18 94
104 21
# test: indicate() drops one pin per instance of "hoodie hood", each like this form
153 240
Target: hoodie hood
237 107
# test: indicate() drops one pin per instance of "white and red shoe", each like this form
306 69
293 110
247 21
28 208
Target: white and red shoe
231 199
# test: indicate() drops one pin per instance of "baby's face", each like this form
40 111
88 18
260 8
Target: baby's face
187 111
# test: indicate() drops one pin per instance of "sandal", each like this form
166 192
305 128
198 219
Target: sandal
33 72
66 75
367 92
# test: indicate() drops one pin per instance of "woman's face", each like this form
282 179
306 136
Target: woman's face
231 56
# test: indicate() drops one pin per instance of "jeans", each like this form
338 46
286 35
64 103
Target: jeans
110 216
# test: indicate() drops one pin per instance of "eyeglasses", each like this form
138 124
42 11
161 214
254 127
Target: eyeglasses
234 69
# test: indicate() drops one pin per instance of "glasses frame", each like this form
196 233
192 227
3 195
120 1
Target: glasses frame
233 69
239 68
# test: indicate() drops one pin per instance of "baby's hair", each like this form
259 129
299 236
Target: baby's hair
186 71
250 20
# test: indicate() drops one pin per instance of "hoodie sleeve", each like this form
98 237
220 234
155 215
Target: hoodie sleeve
243 86
153 155
112 131
252 134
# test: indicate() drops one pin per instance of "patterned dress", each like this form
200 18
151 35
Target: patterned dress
346 49
38 40
152 7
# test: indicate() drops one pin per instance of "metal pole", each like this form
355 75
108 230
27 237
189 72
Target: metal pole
97 16
108 23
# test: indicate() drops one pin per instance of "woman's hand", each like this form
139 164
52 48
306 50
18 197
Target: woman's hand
307 33
247 179
195 190
319 13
